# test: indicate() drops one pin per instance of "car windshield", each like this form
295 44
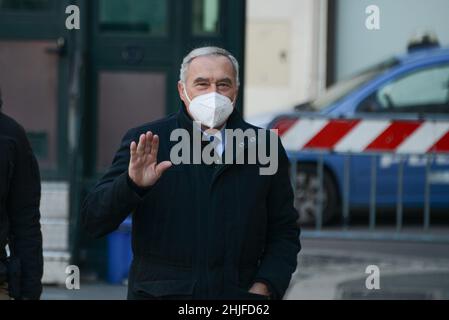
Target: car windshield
344 87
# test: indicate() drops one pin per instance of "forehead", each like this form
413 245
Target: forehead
217 67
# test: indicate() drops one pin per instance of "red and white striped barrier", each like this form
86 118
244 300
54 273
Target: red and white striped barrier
359 136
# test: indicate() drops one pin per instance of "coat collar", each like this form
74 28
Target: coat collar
234 122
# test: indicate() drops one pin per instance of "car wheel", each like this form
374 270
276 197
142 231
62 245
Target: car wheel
307 195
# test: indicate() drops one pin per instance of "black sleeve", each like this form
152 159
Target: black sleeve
280 257
114 197
25 237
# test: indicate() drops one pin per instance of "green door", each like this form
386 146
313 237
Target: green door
135 49
34 77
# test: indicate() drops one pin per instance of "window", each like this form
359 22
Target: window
343 88
206 17
149 17
27 68
123 104
423 91
28 5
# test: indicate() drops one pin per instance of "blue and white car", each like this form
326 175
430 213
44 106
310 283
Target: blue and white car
409 87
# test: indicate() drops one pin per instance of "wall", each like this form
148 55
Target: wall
358 47
285 53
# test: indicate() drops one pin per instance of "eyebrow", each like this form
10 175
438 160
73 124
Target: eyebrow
225 80
198 80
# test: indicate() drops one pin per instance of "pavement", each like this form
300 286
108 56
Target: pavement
336 269
89 291
330 269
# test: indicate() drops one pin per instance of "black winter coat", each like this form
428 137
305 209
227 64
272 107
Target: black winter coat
19 207
196 240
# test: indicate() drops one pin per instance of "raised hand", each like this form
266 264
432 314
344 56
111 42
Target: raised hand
143 168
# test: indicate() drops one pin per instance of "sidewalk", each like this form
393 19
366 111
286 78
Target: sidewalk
336 270
91 291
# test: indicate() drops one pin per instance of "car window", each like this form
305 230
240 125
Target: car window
423 91
341 89
344 87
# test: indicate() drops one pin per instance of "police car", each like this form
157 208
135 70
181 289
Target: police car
396 111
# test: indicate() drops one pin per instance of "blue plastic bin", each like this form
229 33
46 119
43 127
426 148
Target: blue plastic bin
119 253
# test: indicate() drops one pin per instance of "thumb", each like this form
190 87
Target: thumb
162 167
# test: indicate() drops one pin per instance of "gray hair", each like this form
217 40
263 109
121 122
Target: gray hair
204 52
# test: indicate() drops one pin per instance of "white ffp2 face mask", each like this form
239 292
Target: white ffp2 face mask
212 109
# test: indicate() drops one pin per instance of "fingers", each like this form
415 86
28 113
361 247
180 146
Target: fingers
141 146
133 152
133 149
155 147
148 145
149 138
162 167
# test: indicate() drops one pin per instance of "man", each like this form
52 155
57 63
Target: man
21 272
200 231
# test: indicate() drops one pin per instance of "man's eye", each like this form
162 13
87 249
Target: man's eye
202 84
223 85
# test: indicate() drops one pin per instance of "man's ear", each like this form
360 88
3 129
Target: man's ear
181 93
236 97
